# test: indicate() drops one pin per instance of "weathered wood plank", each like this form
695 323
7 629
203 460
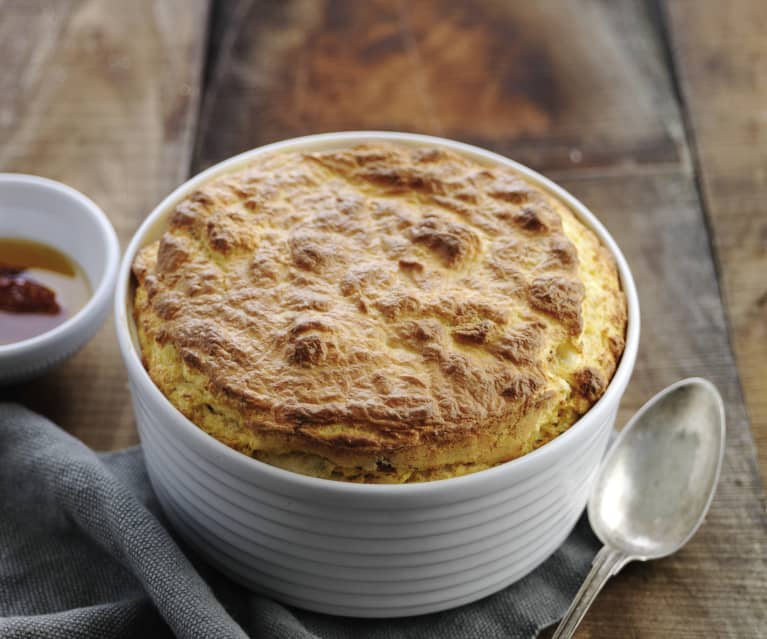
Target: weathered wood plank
717 585
587 99
102 96
556 85
721 60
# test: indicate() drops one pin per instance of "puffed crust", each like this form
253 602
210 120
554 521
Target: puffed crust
380 313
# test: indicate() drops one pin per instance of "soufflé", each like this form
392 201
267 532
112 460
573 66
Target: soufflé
379 314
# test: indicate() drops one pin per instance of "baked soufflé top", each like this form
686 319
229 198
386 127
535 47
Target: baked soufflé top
379 313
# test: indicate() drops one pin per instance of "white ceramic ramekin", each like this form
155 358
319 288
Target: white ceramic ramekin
367 550
35 208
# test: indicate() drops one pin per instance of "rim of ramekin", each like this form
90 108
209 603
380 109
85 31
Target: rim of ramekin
102 290
138 375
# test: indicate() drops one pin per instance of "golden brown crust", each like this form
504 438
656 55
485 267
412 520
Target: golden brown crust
380 313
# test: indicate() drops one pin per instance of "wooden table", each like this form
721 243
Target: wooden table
653 113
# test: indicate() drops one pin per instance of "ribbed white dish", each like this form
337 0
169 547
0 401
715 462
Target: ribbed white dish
367 550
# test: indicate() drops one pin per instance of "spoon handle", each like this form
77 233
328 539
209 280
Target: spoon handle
607 562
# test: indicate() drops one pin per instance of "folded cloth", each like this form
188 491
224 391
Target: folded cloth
85 552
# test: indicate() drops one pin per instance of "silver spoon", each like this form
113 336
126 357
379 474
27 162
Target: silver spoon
655 485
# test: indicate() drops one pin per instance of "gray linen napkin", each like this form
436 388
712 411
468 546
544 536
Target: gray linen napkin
85 552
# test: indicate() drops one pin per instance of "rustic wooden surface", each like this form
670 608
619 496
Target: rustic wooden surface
630 105
715 586
721 59
531 82
102 96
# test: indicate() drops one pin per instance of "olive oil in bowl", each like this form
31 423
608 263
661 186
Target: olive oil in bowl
40 288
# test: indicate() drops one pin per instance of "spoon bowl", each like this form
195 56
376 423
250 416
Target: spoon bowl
657 481
655 486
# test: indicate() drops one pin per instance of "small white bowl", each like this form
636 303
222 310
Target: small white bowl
367 550
42 210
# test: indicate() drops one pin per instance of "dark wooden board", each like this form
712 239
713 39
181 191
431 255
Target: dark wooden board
721 60
554 84
717 585
581 91
102 96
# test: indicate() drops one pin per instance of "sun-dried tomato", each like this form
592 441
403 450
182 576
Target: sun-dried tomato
21 295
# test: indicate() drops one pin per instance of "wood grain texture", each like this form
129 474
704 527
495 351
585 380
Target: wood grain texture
716 585
553 84
721 60
538 83
102 96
